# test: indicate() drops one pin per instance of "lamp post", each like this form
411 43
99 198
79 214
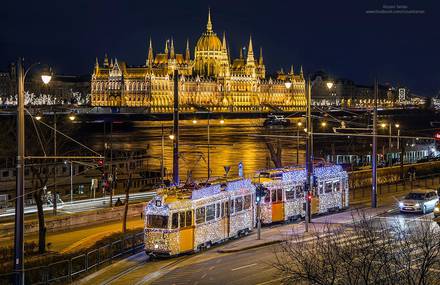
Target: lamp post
176 129
374 152
298 125
309 147
19 194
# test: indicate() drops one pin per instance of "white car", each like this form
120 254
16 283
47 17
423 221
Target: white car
419 201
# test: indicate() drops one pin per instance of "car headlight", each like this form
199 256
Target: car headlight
400 204
417 205
436 209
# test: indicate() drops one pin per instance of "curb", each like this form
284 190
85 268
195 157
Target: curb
250 247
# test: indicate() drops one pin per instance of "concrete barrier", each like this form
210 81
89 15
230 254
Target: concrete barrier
76 220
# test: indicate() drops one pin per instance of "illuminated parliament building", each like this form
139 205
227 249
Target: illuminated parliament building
210 80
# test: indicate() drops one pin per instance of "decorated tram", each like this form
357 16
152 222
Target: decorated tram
180 220
188 219
285 199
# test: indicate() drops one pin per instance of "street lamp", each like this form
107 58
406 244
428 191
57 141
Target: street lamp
171 136
194 121
329 84
72 116
19 195
222 121
38 116
323 124
298 125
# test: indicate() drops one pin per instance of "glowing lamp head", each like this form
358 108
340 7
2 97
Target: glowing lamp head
222 122
397 126
288 84
329 85
324 124
383 125
38 116
171 137
72 116
299 124
194 121
46 78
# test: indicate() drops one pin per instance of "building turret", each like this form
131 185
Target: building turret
172 54
260 60
250 60
96 64
187 52
111 62
166 48
150 57
105 61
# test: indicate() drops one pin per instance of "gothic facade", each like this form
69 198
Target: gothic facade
210 80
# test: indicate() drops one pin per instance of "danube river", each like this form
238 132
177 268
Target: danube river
231 142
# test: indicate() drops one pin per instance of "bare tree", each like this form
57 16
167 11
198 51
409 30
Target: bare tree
367 252
40 176
275 152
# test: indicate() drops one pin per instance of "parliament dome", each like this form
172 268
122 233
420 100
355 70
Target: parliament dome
209 40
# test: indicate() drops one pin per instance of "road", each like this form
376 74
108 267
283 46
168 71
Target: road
81 205
252 266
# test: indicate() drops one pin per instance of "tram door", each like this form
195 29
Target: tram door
186 235
277 205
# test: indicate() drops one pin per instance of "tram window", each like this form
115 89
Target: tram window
222 209
247 201
279 195
231 208
188 218
290 195
299 192
226 207
217 210
200 215
175 221
320 188
182 219
337 186
274 195
210 212
267 197
238 204
158 222
328 187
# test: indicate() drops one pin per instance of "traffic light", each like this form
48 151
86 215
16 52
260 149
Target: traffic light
260 192
309 197
100 165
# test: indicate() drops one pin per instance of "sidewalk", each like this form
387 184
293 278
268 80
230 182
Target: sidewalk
276 234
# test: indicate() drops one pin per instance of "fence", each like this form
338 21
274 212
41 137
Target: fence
407 184
69 269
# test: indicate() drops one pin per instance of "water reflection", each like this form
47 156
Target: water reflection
231 142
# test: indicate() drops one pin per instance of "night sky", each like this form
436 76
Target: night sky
336 36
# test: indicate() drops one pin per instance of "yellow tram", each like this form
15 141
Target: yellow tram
180 220
285 198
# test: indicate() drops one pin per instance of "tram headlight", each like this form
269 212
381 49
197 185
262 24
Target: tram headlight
436 209
417 205
400 204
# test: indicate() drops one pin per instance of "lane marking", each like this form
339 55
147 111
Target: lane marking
204 275
211 268
244 266
270 281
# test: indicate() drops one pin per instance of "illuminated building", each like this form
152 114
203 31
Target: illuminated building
210 80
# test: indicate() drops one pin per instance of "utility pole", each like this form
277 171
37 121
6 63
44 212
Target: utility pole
297 144
176 129
162 170
309 161
111 164
55 163
209 149
19 194
374 152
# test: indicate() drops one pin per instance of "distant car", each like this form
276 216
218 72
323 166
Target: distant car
419 201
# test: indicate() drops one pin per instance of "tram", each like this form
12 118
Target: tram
180 220
188 219
285 199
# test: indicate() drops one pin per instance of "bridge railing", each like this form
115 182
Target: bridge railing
69 269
